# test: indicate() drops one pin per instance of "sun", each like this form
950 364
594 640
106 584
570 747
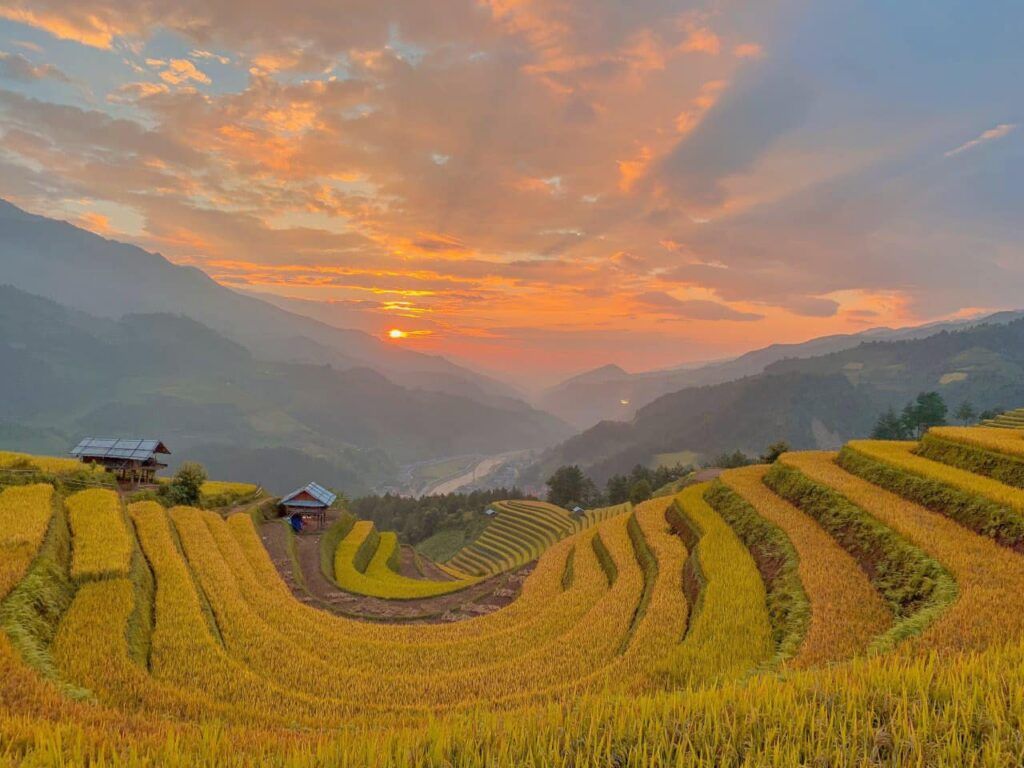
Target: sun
395 333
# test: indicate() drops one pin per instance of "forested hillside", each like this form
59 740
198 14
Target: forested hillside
71 374
610 392
107 278
818 402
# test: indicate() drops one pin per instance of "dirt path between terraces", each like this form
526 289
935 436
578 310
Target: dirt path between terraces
310 586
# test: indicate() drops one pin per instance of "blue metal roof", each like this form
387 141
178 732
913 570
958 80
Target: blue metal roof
318 492
132 449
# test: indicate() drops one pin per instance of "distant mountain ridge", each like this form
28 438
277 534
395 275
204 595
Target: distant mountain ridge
609 392
68 373
107 278
816 402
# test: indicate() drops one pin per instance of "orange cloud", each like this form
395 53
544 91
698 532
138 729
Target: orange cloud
90 30
130 92
182 71
701 40
705 99
95 222
631 171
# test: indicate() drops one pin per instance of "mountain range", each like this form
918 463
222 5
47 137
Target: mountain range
814 402
611 393
107 278
101 337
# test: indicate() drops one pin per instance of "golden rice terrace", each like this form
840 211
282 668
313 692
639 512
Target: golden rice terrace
832 609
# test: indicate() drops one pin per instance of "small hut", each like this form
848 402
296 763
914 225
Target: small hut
578 511
490 512
132 460
309 501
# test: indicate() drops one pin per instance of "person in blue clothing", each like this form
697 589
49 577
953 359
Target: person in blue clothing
296 522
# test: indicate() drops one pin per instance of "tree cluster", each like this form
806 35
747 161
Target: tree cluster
569 486
641 482
927 410
734 459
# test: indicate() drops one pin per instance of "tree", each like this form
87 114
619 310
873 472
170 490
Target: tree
617 489
966 414
730 460
568 485
640 491
775 450
927 410
186 486
890 426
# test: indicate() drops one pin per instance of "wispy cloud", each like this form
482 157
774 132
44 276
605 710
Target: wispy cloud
514 163
992 134
201 54
182 71
692 309
14 66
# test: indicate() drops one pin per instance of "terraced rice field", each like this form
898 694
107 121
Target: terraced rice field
220 493
1008 420
366 563
55 465
851 609
520 532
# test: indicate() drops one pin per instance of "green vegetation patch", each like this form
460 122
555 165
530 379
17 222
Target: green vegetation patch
366 550
973 458
789 608
649 567
978 513
31 612
683 458
604 557
569 574
330 540
913 584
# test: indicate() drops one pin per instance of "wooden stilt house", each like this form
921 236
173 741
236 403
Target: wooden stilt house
132 460
311 501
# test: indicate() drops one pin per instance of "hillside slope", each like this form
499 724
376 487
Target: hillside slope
610 392
109 279
873 582
818 402
72 373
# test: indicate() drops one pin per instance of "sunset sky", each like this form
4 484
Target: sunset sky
536 187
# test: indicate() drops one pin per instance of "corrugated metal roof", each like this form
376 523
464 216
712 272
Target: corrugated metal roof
133 449
318 492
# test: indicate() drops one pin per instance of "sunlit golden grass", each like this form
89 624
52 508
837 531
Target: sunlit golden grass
846 611
600 661
1009 441
222 493
901 455
49 464
729 633
25 512
102 545
544 609
988 577
552 661
378 578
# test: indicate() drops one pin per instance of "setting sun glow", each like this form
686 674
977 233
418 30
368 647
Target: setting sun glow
395 333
